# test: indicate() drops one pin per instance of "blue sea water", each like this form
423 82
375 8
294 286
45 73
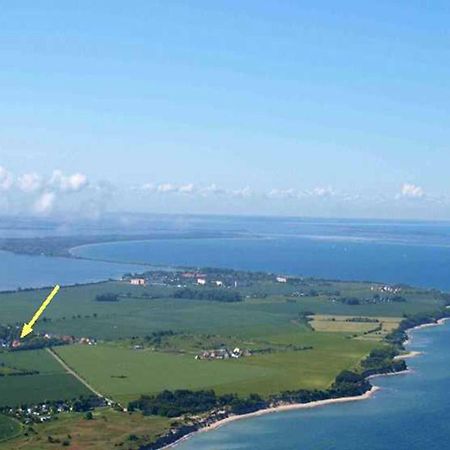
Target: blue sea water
36 271
417 259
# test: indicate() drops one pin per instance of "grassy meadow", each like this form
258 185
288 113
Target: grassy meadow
348 324
142 310
108 429
124 373
9 428
51 383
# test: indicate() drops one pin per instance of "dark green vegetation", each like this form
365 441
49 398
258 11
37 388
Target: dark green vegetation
213 295
107 297
177 403
398 336
381 360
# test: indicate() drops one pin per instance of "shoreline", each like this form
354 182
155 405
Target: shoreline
409 355
412 354
316 404
277 409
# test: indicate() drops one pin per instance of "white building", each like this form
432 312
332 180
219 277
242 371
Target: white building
201 281
282 279
137 281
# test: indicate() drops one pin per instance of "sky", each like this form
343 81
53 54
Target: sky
303 108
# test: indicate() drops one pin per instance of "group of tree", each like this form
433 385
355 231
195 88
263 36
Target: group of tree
352 301
180 402
107 297
175 403
39 342
398 336
362 320
382 360
213 295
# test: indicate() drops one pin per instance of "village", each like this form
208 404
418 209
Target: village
43 340
220 279
223 353
44 412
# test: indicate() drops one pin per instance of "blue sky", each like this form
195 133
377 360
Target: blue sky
257 107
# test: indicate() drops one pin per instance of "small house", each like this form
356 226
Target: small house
137 281
282 279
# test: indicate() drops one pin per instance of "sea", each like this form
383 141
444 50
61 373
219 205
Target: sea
410 411
416 253
23 271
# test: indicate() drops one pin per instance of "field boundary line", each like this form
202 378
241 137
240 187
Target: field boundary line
72 372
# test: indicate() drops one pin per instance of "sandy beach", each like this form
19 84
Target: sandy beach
409 355
277 409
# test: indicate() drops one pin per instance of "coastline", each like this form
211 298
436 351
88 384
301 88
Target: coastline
412 354
409 355
315 404
277 409
294 407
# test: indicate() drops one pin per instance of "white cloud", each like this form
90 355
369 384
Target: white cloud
166 188
283 193
169 188
410 190
6 179
148 187
245 192
186 189
212 189
44 204
29 182
68 183
322 191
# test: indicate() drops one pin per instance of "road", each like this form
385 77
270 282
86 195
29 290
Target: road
68 369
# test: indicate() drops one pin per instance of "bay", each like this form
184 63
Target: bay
331 257
24 271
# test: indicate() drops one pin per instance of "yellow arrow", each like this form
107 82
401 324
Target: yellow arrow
28 327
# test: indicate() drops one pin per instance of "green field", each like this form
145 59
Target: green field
270 316
52 382
124 373
269 305
8 428
342 324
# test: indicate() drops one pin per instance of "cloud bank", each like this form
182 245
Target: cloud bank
60 192
34 193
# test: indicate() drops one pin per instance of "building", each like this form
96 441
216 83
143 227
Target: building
188 275
201 281
137 281
282 279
